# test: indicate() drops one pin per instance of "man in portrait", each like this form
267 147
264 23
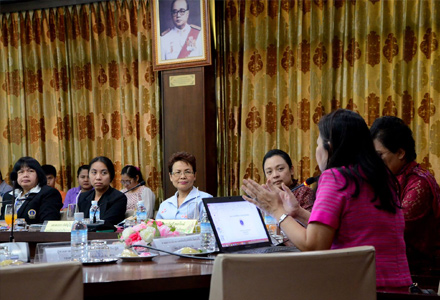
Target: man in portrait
183 40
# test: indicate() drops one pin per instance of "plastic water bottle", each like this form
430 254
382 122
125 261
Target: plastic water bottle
95 212
271 224
141 213
78 238
206 234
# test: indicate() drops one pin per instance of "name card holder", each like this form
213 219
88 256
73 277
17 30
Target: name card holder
173 244
183 226
60 251
57 226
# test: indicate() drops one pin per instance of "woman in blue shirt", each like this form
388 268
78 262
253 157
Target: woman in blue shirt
187 201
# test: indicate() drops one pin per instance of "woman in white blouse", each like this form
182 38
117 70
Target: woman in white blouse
131 176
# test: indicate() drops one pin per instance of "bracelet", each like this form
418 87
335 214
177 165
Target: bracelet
282 218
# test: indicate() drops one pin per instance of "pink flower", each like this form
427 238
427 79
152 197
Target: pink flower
164 231
159 223
134 237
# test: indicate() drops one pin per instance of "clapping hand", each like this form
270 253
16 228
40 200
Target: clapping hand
266 197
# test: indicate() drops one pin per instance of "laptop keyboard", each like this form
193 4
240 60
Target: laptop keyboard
269 250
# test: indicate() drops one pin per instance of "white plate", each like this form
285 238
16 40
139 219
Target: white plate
137 258
196 254
103 262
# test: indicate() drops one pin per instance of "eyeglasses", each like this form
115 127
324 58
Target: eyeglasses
125 182
179 173
180 12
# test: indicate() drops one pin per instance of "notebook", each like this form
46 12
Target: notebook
238 226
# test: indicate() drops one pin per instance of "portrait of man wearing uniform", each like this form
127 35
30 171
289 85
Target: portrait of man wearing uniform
183 39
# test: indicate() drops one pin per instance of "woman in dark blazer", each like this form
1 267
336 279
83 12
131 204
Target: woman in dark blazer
35 200
112 203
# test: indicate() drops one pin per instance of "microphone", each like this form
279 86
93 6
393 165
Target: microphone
138 185
308 182
13 176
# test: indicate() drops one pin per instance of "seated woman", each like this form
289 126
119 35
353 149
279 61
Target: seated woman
112 203
35 200
84 185
419 194
356 201
131 176
278 168
182 170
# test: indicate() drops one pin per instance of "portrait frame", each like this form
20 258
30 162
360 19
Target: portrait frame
171 53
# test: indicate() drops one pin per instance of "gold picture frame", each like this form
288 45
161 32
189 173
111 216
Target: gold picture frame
181 34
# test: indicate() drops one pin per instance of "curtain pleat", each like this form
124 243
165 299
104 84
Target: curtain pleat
77 82
286 63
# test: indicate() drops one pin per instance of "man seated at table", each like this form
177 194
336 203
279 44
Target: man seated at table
51 176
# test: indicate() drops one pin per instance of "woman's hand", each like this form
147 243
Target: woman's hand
266 197
290 203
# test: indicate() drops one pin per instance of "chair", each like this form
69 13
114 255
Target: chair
331 274
51 281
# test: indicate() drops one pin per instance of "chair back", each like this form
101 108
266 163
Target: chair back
49 281
331 274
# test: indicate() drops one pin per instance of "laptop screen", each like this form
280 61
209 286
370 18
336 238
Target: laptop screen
236 223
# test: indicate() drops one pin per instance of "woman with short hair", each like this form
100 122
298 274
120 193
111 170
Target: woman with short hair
182 172
36 202
419 191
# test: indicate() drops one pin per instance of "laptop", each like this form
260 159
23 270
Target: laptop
238 226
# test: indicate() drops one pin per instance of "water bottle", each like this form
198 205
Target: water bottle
141 213
206 234
78 239
271 224
94 214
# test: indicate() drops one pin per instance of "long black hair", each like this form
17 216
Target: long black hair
347 139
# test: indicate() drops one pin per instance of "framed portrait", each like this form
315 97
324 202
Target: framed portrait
181 34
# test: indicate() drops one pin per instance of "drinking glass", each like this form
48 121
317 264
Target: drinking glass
4 253
192 211
20 224
193 214
71 212
98 251
8 214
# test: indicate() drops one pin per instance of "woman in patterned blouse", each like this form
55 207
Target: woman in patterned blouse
130 177
419 191
278 167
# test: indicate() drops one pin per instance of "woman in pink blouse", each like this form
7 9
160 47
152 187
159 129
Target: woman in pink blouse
419 191
131 176
356 201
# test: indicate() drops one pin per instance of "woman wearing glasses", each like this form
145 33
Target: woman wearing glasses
131 176
182 169
420 193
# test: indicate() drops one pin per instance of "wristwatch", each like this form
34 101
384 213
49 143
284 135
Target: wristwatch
282 218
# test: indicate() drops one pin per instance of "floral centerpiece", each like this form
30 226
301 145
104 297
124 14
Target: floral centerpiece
144 233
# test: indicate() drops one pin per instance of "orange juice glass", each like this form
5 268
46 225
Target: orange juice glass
8 219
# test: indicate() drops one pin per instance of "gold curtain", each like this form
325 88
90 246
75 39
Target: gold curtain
77 82
284 64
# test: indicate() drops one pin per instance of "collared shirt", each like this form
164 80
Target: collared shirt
4 188
172 42
19 196
169 210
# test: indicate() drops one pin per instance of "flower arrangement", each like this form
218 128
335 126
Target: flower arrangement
144 233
